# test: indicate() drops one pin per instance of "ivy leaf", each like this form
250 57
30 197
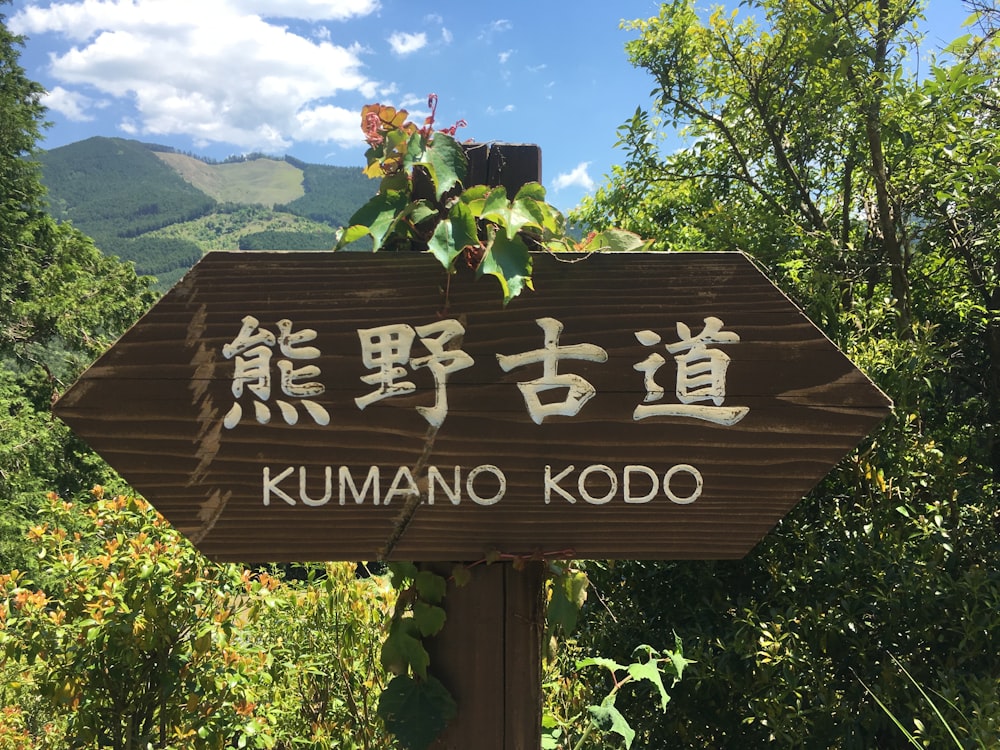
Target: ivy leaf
497 206
453 235
530 199
609 719
600 661
376 218
428 618
475 198
400 572
442 244
568 594
416 712
509 260
615 240
531 190
430 586
461 574
445 159
419 211
402 648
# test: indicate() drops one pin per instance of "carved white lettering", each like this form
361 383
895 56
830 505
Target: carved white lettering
552 483
434 478
587 489
403 474
654 483
601 469
470 488
698 484
371 482
596 484
302 488
271 486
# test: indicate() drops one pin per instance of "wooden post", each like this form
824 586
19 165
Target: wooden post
489 657
489 653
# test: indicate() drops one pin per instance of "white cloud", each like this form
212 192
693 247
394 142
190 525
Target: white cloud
329 123
215 70
498 26
71 104
405 43
80 19
504 56
491 110
578 177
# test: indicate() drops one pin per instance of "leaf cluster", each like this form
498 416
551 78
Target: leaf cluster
415 705
423 203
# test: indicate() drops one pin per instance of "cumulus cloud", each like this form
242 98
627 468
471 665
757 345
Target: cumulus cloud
504 56
405 43
216 70
71 104
577 177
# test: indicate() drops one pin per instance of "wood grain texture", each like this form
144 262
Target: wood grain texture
153 407
489 656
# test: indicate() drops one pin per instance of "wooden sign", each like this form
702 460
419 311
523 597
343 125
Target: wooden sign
313 406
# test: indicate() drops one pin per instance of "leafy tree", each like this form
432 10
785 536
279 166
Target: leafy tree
869 194
61 303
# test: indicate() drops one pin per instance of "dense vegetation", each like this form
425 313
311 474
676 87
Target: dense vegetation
272 240
333 194
870 194
61 303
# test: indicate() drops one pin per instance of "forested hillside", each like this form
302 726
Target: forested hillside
162 210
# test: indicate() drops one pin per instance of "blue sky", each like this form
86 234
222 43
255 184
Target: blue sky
223 77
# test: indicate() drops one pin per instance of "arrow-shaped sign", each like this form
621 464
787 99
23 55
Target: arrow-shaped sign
314 406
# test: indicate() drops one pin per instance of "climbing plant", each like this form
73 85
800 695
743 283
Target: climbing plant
424 204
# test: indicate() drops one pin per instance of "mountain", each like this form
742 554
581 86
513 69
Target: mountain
162 209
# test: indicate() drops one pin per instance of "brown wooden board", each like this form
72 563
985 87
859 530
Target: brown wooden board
154 407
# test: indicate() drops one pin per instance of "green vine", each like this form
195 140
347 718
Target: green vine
424 204
415 706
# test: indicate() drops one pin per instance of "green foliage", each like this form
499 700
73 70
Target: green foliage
163 210
332 194
278 240
416 711
61 303
324 681
422 204
415 706
869 196
131 634
572 722
117 188
129 638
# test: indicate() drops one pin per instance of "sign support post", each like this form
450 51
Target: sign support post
489 657
488 654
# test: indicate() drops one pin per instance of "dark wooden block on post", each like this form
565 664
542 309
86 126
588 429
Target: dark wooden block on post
511 165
